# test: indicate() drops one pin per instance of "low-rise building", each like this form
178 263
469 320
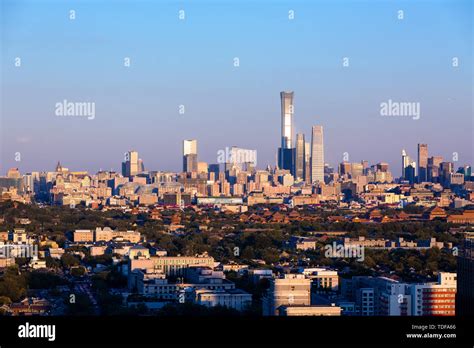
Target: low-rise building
83 236
303 243
232 298
322 278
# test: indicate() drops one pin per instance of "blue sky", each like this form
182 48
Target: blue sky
190 63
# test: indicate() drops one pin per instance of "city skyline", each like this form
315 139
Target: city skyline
138 162
163 96
290 153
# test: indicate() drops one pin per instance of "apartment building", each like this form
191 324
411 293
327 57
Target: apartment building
287 290
322 278
438 299
105 234
381 296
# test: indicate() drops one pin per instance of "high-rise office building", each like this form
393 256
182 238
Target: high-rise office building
286 152
467 171
433 168
317 154
287 110
131 165
445 170
215 169
365 166
422 162
141 165
345 168
299 157
465 277
190 161
406 161
189 147
357 169
382 167
241 159
307 162
410 172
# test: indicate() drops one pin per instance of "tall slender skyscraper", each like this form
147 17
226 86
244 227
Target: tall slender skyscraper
317 154
287 110
299 157
422 162
405 163
190 155
130 166
307 162
286 151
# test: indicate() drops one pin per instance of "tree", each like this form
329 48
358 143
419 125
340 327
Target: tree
5 300
68 260
248 253
13 284
44 280
78 271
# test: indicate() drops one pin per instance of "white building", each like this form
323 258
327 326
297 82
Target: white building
317 154
288 290
234 298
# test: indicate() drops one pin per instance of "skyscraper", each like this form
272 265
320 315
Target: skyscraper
445 169
357 169
382 167
299 157
466 170
307 162
433 168
130 166
286 152
410 172
365 166
190 156
345 168
287 110
422 162
317 154
405 163
141 165
239 158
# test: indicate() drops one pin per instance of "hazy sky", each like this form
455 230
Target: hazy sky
191 62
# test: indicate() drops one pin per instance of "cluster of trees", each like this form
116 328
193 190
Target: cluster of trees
55 221
239 246
45 280
14 285
102 283
268 244
411 265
